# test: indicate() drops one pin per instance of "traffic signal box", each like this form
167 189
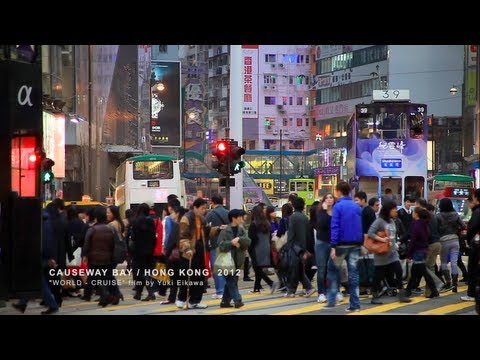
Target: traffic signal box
228 157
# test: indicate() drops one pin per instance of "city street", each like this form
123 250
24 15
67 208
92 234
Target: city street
263 304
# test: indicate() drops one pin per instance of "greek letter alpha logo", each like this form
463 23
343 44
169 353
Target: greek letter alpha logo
23 96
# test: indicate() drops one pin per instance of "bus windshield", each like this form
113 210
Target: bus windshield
143 170
441 185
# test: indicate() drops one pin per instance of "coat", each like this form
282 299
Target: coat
56 243
298 226
260 247
99 244
188 239
224 244
143 236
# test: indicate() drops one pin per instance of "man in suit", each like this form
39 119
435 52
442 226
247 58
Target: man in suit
298 226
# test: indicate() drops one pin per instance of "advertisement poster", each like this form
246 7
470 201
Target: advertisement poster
166 111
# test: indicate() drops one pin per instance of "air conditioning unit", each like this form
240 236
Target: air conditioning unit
281 65
286 132
273 65
273 87
265 86
275 132
279 107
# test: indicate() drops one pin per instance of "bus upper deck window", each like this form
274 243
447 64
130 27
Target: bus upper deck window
416 122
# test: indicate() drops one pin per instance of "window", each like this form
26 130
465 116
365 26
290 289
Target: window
307 101
270 100
414 186
285 122
290 121
307 122
299 100
299 59
415 123
269 79
270 58
293 59
162 49
290 80
299 79
284 58
24 171
299 122
143 170
284 100
290 100
307 59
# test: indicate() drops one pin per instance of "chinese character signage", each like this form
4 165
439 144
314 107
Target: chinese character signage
391 163
166 112
250 81
460 192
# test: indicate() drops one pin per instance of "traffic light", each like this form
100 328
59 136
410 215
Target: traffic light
47 173
236 163
228 157
221 152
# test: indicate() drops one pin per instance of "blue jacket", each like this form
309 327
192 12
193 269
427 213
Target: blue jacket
346 225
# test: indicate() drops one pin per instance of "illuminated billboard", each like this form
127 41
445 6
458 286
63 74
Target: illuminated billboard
166 111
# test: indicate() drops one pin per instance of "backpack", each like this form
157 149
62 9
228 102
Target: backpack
119 254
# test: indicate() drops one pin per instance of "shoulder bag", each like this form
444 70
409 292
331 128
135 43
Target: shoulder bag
377 247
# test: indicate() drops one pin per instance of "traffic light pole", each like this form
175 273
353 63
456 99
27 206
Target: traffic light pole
227 183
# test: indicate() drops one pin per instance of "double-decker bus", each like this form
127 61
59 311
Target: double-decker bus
455 187
151 177
387 149
304 188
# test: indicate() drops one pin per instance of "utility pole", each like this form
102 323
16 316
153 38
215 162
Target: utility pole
227 178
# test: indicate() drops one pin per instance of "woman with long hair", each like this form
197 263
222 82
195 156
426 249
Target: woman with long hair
115 220
449 226
322 245
260 248
417 251
388 263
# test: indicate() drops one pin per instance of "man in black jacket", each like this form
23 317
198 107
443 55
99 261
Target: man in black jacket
473 239
298 225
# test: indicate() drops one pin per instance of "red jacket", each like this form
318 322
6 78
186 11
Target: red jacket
159 231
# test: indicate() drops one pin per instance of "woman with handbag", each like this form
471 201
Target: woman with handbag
384 230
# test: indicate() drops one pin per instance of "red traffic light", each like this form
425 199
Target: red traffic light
222 146
32 158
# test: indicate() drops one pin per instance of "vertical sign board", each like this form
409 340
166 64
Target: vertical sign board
20 235
166 109
250 81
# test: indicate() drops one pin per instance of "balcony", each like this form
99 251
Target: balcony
218 50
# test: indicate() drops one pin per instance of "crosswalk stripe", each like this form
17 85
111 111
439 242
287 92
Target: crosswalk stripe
301 310
253 305
448 308
396 305
171 307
